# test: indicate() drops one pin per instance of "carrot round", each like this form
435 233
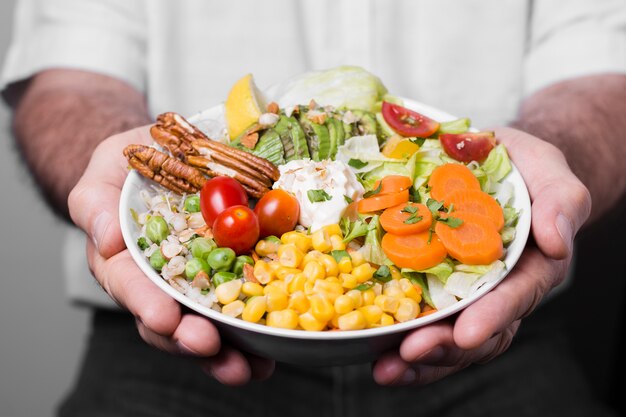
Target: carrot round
447 178
406 218
479 202
475 242
393 184
416 251
382 201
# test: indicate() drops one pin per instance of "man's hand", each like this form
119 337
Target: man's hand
485 329
93 206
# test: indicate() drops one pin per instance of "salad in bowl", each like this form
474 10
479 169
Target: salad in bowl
323 209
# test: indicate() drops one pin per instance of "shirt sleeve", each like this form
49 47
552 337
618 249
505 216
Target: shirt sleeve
107 37
574 38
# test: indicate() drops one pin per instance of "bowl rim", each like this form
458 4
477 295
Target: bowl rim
135 182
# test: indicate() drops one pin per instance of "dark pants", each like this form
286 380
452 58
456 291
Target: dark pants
122 376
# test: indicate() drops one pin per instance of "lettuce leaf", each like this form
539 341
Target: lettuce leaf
365 149
419 279
372 250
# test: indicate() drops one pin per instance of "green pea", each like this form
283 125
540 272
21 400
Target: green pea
157 229
273 239
240 262
157 261
222 277
221 259
195 265
192 204
200 247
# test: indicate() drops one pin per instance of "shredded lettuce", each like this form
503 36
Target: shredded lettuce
497 165
442 271
455 126
459 284
371 249
345 86
418 278
365 149
390 168
352 230
439 296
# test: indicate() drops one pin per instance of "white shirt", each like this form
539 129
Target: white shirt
472 58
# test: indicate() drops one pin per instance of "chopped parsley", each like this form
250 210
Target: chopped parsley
357 163
317 196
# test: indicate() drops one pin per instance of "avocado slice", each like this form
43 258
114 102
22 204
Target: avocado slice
292 137
367 124
317 137
270 147
336 133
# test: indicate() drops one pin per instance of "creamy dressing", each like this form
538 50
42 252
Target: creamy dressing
333 177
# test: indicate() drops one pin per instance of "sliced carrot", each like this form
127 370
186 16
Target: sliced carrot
479 202
475 242
416 251
451 177
406 218
382 201
393 184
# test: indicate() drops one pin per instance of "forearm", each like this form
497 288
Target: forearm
62 117
585 119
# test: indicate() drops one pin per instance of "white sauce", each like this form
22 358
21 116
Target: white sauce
334 177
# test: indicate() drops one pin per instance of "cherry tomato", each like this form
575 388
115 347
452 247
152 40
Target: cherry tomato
467 147
218 194
237 227
278 213
408 122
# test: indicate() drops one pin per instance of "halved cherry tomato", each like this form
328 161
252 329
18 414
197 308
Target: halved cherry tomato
467 147
237 227
218 194
382 201
278 213
408 122
393 184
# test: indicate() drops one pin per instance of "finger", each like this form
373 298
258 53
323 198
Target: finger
514 298
194 336
560 202
229 367
128 286
94 201
261 368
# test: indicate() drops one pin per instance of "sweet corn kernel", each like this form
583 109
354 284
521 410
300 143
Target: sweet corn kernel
330 289
332 279
386 320
408 309
266 247
363 272
321 307
302 241
276 284
392 283
277 299
274 265
254 309
262 272
393 292
234 309
356 296
289 255
368 296
395 273
228 291
357 258
344 265
313 255
309 322
334 322
308 287
354 320
411 290
377 288
333 229
250 289
372 313
285 272
314 270
336 241
348 281
387 303
299 302
321 241
344 304
330 265
285 319
296 283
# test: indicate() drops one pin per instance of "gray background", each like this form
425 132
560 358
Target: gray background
41 334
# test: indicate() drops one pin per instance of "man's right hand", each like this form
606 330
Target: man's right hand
93 206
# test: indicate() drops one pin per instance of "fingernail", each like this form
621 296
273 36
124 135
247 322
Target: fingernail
566 230
184 349
100 226
408 377
434 355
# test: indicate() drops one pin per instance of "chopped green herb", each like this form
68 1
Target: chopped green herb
340 254
414 195
143 243
434 206
410 209
374 192
365 286
354 229
418 141
413 219
348 199
383 274
453 222
357 163
317 196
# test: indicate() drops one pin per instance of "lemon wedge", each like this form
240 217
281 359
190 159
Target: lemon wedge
243 106
399 147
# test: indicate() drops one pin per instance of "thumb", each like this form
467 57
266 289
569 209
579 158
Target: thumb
560 202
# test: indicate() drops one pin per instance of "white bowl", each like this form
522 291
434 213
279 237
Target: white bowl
304 347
